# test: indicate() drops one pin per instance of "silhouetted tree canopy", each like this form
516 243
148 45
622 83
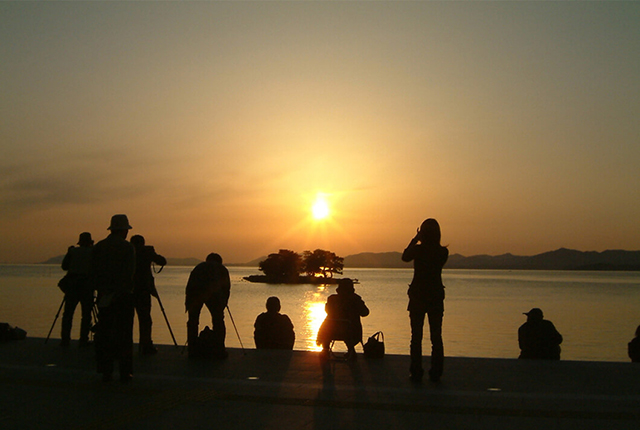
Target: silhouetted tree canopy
321 262
286 265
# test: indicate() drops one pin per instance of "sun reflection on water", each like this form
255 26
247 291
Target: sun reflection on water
314 314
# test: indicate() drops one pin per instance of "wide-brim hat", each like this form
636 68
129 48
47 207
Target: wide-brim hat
85 239
119 222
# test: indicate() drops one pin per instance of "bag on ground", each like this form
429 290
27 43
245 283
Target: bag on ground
374 348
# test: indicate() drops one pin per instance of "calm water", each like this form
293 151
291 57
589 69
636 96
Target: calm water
596 312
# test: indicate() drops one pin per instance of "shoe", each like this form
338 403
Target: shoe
84 344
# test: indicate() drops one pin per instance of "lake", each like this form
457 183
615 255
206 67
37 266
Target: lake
596 312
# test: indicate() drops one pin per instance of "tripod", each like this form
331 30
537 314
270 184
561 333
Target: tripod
54 320
94 317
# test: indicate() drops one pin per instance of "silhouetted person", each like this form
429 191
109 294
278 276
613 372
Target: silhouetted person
426 297
77 263
344 310
113 264
143 288
273 330
634 347
209 284
538 338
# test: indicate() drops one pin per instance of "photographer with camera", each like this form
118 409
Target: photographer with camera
144 288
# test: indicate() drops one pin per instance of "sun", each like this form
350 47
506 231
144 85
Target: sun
320 209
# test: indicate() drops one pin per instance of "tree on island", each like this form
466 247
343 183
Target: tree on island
286 266
321 262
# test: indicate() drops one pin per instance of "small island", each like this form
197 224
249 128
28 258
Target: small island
289 267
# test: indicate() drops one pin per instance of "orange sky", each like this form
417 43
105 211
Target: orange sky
213 125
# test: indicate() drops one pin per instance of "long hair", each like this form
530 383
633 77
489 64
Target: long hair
430 232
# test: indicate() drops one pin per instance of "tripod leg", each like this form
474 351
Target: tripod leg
54 320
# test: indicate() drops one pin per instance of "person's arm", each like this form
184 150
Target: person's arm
66 261
410 251
157 258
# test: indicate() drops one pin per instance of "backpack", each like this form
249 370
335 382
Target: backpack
210 346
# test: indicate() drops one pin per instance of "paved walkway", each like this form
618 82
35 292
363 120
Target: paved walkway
45 386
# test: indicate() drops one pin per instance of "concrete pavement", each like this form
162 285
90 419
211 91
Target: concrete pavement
46 386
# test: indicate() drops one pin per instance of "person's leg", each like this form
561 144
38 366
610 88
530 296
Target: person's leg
218 326
124 336
71 300
417 326
436 314
143 310
192 330
86 304
104 342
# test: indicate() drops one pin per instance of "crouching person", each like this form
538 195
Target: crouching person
344 310
209 285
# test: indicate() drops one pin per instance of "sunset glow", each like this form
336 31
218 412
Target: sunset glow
246 127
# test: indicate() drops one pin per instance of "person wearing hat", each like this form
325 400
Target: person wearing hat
538 338
113 264
79 289
144 288
344 310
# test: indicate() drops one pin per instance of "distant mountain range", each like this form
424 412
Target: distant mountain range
560 259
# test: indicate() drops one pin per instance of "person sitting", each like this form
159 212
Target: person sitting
273 330
344 310
634 347
538 338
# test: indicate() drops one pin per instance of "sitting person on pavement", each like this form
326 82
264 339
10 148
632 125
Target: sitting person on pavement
273 330
344 310
538 338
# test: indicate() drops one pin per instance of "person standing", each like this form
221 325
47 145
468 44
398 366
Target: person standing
538 337
273 330
80 288
209 284
426 297
113 264
143 288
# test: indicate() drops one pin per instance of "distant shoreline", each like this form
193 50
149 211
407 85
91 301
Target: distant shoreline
560 259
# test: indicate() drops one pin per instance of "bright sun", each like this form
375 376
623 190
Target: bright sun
320 208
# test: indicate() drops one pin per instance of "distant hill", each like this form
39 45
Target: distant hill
560 259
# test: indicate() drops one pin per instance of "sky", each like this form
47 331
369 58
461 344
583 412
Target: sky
215 125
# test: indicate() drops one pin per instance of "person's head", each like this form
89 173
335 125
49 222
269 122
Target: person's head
345 286
273 305
120 225
534 314
137 241
214 258
85 239
429 232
